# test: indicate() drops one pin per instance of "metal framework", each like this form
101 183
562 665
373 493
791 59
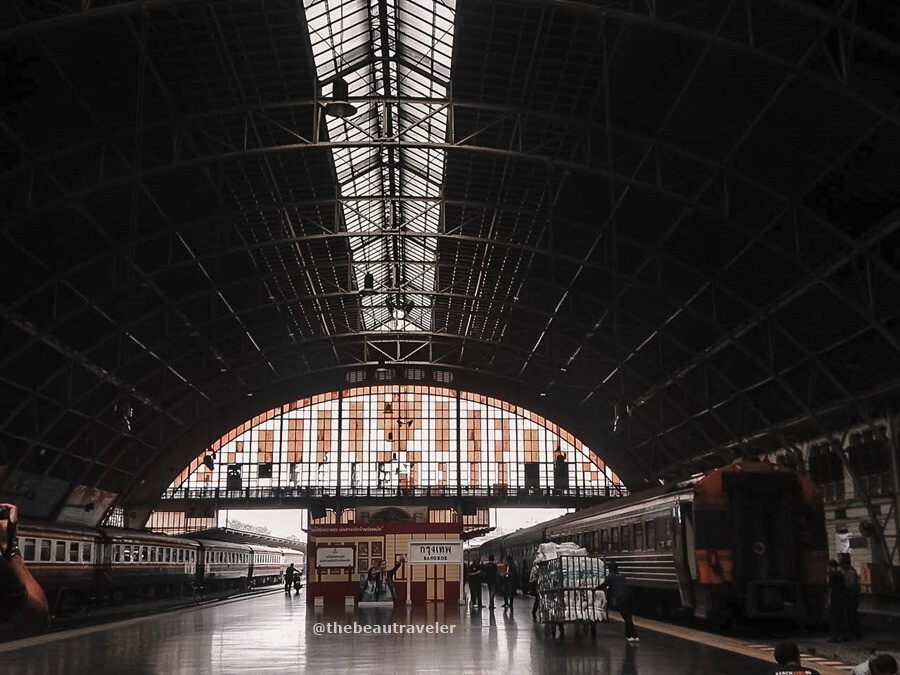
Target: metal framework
677 223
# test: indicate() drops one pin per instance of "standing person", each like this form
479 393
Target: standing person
524 576
289 578
512 582
369 586
22 600
620 598
852 590
489 572
883 664
787 656
533 580
386 576
837 601
473 576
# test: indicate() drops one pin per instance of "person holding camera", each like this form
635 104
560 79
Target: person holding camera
22 601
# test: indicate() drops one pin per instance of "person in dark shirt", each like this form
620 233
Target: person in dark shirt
837 604
512 582
289 578
852 590
489 572
787 656
524 576
473 577
620 597
22 600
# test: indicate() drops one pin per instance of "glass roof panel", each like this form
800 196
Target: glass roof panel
413 62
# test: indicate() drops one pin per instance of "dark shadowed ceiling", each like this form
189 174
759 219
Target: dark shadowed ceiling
676 222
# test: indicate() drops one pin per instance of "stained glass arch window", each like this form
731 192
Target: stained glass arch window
387 440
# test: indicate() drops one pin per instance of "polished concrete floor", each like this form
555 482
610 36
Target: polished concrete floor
277 634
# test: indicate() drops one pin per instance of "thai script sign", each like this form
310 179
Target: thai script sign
334 557
435 551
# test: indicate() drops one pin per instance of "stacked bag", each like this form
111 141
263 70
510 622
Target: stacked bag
567 578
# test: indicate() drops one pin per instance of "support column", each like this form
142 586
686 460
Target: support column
340 438
893 447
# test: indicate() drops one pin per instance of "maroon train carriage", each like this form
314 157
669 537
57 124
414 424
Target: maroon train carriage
143 564
224 565
77 566
294 556
268 565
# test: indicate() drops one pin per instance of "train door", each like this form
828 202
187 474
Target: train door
763 510
684 552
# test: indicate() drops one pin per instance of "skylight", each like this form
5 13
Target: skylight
397 54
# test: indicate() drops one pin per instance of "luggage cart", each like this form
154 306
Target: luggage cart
566 588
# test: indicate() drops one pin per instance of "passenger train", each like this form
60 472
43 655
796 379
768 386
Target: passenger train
78 565
743 541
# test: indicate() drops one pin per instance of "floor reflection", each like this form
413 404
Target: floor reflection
276 633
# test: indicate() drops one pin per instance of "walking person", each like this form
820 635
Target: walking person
490 574
512 582
621 598
289 578
837 601
533 581
473 577
852 591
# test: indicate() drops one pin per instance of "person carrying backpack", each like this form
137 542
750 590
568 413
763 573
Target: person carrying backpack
851 606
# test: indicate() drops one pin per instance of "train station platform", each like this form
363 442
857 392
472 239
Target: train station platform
275 633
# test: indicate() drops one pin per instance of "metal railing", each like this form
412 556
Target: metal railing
295 492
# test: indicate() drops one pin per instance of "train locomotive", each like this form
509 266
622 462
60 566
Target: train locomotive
743 541
77 566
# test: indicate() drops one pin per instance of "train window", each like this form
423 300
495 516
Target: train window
193 554
667 532
614 538
143 554
152 554
116 553
73 551
126 554
45 550
604 540
28 550
651 535
625 538
60 551
168 554
86 552
638 538
181 555
135 553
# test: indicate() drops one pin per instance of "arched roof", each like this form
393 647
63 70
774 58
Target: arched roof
680 227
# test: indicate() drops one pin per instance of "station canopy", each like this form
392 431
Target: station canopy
669 228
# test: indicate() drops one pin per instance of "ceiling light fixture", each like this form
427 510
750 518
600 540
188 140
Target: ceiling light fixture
400 308
339 105
368 285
